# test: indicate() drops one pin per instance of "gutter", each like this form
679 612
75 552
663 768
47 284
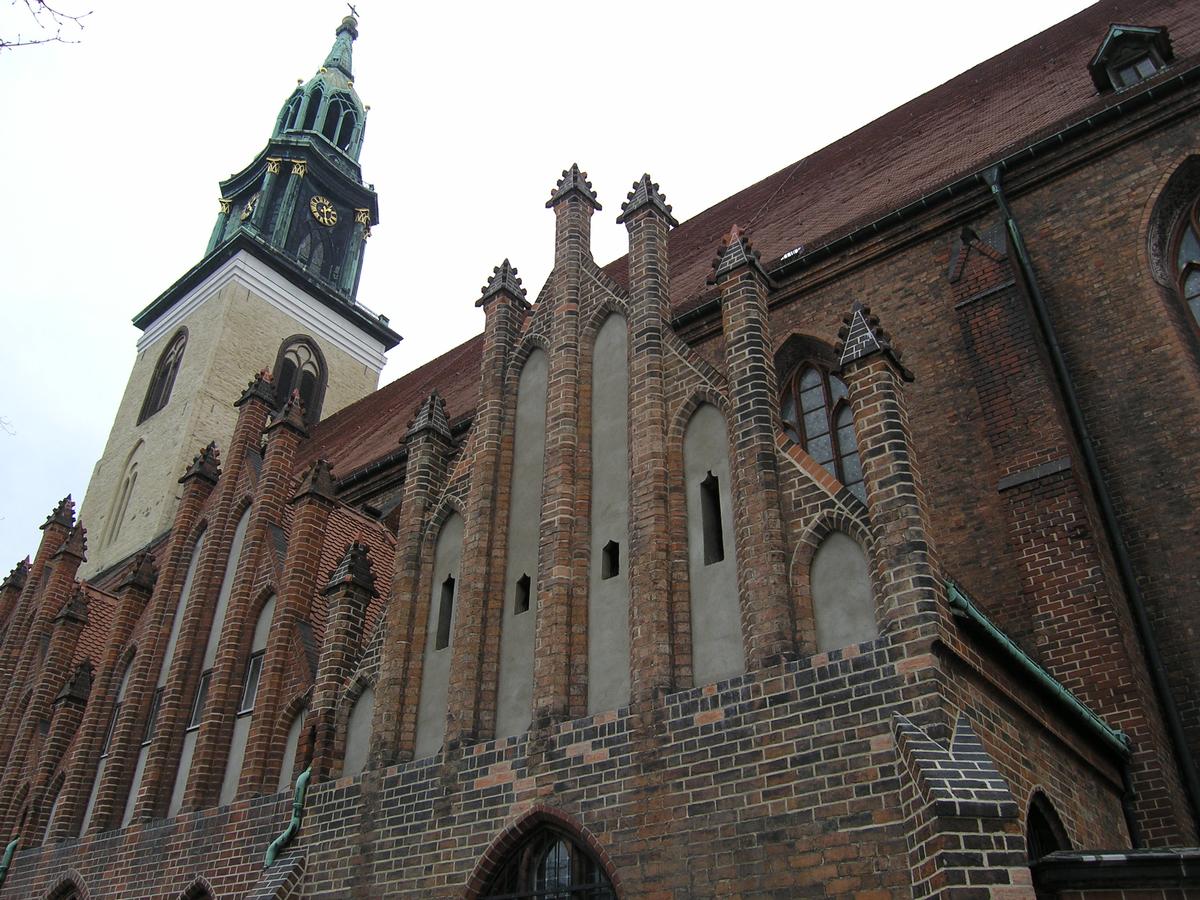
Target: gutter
791 263
1129 581
7 860
289 833
1112 738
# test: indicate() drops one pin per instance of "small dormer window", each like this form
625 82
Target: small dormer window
1128 55
1138 69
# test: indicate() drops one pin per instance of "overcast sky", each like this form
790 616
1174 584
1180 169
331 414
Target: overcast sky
112 148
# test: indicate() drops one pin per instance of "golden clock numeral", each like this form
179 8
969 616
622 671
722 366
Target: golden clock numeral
323 211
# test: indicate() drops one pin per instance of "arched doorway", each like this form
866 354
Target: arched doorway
549 864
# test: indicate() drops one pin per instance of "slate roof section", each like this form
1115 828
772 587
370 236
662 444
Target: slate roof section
1028 92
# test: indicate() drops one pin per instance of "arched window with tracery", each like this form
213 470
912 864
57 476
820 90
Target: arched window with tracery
300 366
339 121
550 864
1187 258
163 380
816 415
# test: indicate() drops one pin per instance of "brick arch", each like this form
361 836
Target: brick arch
1039 802
358 684
446 505
683 413
492 859
606 306
799 347
69 884
529 342
200 888
1176 188
825 523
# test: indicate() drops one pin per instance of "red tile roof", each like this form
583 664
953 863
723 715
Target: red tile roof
1028 92
374 426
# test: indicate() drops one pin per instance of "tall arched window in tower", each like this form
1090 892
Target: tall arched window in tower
300 366
120 505
816 415
163 379
1187 258
550 863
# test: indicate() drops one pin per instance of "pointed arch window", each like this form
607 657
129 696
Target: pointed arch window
314 107
550 864
816 415
300 366
339 121
163 379
1187 258
290 113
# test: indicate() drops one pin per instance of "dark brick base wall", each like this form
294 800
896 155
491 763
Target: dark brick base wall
786 783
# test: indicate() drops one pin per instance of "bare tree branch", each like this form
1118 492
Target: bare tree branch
49 22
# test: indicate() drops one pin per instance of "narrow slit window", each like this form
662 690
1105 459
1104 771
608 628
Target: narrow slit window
112 726
710 514
250 687
610 560
522 602
445 613
198 702
148 734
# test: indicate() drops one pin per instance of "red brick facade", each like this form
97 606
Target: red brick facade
1010 670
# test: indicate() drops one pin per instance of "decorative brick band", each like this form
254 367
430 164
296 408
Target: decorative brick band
1016 479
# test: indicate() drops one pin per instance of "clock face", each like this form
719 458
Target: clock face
323 210
248 209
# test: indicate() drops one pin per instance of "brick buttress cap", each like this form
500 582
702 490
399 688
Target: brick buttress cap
78 686
63 514
861 336
354 570
318 482
504 280
261 388
645 193
735 253
206 464
17 577
142 574
430 416
573 182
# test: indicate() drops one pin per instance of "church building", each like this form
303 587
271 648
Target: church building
840 541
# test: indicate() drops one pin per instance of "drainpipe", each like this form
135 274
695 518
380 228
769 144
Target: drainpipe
289 833
1158 673
7 860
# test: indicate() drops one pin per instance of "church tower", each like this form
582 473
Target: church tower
276 290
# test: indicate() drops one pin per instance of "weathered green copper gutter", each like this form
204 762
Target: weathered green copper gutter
1129 580
7 860
289 833
1114 739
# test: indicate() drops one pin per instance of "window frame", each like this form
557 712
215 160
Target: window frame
162 382
312 412
790 388
1189 219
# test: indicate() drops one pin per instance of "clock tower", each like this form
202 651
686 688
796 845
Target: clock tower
276 289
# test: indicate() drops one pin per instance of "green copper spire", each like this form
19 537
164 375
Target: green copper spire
339 56
328 104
